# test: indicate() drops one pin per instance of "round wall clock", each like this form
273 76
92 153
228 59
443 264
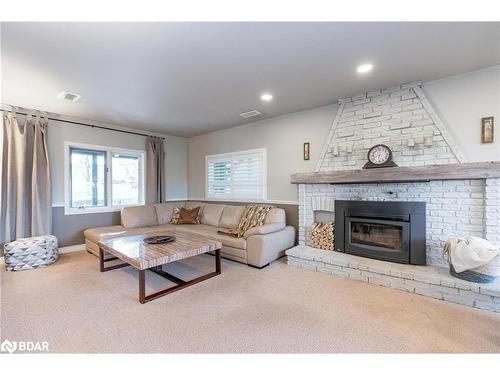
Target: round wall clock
379 156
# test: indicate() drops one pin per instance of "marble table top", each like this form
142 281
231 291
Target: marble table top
134 251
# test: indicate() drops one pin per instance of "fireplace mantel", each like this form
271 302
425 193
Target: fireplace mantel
466 171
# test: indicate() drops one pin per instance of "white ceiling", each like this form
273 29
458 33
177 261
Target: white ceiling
190 78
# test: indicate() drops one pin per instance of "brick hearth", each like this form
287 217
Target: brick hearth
434 282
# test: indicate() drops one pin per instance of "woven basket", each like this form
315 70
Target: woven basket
473 276
485 274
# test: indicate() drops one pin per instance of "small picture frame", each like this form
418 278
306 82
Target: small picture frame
306 151
487 130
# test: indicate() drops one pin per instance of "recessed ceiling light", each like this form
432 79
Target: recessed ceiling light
69 96
364 68
266 97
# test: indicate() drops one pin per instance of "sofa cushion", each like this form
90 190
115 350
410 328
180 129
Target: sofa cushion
185 216
264 229
233 253
210 232
211 214
191 205
164 211
102 233
139 216
230 217
276 215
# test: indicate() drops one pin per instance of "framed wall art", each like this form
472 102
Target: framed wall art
487 130
306 151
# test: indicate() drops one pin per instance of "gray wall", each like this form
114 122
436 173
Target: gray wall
283 137
461 101
175 159
69 228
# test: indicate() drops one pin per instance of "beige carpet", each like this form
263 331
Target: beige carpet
278 309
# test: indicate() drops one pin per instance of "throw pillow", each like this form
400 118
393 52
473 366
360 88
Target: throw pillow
185 216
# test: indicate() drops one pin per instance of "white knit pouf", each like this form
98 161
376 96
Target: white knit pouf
30 253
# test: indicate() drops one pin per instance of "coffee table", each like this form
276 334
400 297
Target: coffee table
134 252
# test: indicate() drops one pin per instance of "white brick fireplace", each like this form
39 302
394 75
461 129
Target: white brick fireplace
402 118
454 208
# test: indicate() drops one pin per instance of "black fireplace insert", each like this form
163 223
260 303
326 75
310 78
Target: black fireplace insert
392 231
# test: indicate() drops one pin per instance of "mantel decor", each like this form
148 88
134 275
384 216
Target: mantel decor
379 156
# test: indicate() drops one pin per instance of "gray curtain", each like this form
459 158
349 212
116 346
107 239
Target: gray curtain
155 170
26 208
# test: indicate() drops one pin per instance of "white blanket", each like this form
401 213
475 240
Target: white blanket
471 252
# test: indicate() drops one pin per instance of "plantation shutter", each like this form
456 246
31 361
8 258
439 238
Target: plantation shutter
236 176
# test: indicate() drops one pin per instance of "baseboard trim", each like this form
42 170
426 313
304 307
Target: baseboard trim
71 249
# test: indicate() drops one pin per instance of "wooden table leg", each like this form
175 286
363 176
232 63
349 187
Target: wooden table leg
217 261
181 284
142 286
101 259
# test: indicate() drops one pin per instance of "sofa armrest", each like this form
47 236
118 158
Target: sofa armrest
262 249
264 229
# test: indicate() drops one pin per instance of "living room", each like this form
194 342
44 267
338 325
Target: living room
250 187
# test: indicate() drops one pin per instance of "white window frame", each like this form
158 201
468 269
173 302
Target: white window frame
68 210
229 155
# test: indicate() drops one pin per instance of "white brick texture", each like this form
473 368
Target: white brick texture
392 116
492 210
454 208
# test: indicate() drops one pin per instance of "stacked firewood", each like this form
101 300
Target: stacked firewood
321 236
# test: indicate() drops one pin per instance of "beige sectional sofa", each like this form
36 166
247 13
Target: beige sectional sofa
259 246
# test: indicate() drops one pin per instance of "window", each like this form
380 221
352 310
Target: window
88 178
125 172
236 175
102 179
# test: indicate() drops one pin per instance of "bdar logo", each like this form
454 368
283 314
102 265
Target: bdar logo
8 346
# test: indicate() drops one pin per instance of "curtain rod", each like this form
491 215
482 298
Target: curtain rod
79 123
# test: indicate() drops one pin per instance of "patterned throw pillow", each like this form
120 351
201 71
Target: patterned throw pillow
184 216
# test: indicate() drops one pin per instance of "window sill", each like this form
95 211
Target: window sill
88 211
76 211
247 200
224 199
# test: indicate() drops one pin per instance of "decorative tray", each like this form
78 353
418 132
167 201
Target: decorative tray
156 240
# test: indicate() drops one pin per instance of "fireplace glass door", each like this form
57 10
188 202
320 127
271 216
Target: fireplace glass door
383 239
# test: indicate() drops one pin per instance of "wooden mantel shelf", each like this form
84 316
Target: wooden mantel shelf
466 171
